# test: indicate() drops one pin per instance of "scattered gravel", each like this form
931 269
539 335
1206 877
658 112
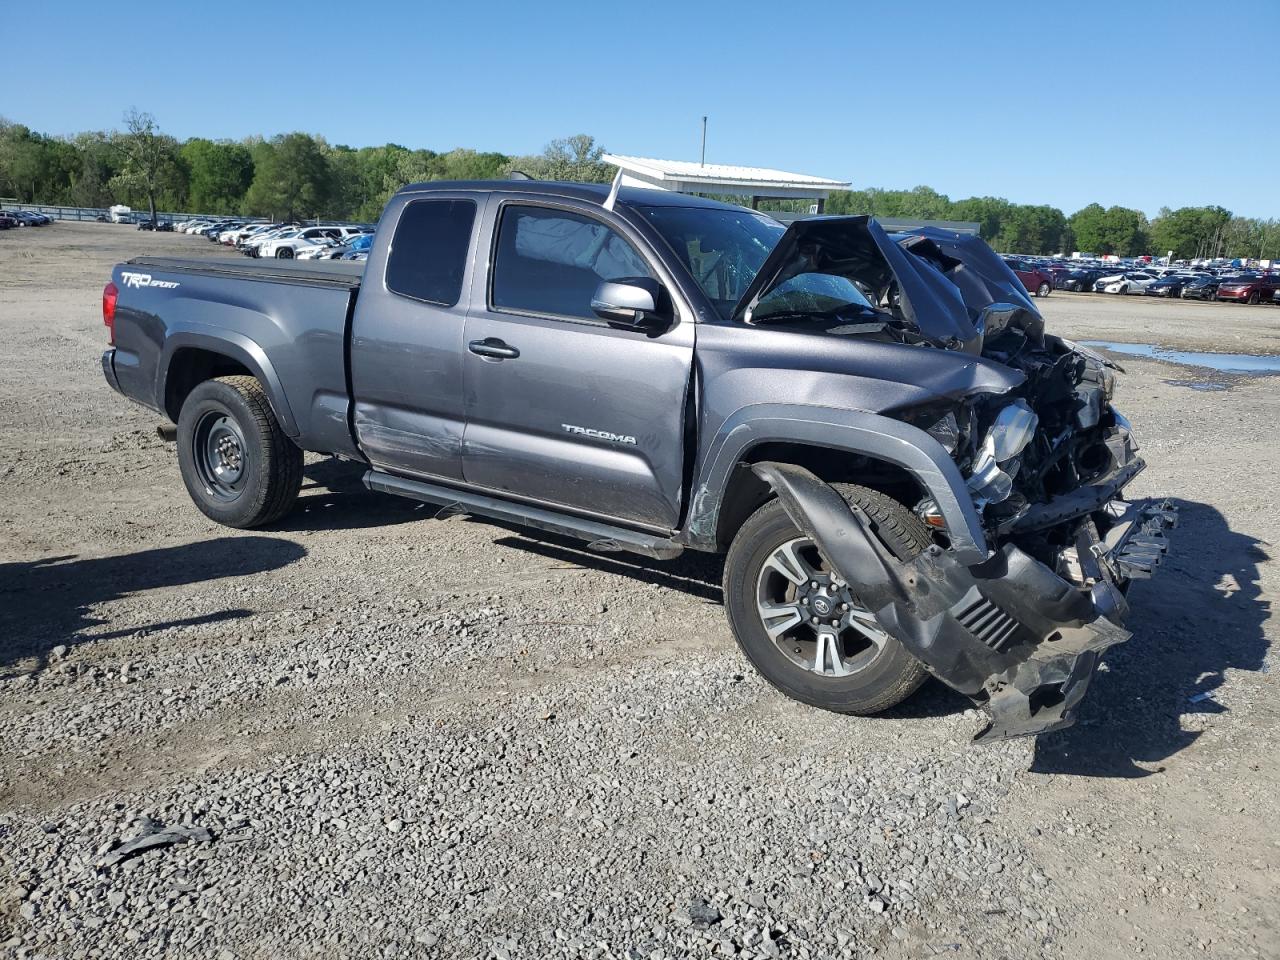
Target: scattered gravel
368 733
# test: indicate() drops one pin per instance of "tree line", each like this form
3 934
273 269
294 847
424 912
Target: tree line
300 175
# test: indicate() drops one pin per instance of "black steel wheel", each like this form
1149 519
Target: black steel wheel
218 451
238 465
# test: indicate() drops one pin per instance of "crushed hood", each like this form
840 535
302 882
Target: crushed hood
953 288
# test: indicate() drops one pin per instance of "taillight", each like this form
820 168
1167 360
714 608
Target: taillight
109 294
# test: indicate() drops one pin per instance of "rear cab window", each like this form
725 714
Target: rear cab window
428 256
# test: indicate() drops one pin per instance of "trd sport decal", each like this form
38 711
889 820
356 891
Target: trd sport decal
144 280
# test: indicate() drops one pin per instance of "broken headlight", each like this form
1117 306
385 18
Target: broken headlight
991 479
1013 429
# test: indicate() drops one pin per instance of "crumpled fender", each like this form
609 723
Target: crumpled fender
1008 631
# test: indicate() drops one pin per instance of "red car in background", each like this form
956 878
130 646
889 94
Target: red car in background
1036 281
1251 289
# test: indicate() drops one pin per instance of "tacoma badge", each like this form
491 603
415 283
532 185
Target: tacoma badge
598 434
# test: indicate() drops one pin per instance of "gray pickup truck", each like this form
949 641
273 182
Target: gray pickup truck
906 474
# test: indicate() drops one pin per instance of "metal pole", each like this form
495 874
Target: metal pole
702 161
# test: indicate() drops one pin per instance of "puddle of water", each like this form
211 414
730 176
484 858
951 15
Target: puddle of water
1208 386
1224 362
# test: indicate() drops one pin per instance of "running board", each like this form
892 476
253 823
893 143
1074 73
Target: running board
601 537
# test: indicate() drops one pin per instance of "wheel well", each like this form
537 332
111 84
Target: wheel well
191 367
746 492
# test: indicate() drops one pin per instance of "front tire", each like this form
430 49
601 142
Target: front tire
1043 290
238 466
284 253
775 581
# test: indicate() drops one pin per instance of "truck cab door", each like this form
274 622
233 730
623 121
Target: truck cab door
406 337
561 407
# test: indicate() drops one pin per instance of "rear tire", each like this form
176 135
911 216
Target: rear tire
284 253
1043 290
878 675
238 466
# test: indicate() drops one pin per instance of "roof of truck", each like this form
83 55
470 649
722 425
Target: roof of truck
597 192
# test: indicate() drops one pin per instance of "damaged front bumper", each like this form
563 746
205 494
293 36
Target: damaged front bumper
1008 632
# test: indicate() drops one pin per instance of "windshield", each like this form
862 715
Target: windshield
722 249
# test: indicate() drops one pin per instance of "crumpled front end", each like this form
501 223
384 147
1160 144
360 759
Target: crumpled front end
1018 637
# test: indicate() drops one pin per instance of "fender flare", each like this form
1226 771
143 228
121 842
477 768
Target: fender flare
850 431
235 346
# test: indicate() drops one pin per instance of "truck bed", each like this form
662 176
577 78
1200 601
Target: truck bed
344 273
281 321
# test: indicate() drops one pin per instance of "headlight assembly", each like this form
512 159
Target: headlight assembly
1013 429
991 479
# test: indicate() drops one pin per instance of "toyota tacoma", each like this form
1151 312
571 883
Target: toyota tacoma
906 474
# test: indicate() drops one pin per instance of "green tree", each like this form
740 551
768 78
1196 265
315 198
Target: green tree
922 203
462 164
1087 224
376 179
148 159
344 194
990 213
98 164
1267 239
1187 231
1031 229
29 170
291 178
849 203
575 158
218 174
417 166
1117 230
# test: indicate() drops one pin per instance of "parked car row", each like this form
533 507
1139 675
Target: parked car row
282 241
10 219
355 248
1214 281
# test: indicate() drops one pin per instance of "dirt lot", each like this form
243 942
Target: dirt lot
410 737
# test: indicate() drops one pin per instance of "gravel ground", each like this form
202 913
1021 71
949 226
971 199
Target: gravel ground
367 732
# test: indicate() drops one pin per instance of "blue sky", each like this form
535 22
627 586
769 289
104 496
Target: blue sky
1069 104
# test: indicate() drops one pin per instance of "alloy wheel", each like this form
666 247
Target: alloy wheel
812 615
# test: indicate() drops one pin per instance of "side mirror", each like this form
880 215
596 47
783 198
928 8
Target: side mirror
631 302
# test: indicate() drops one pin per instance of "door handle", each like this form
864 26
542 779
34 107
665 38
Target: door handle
492 348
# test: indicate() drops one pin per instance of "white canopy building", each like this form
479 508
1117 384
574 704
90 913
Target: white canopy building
683 176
